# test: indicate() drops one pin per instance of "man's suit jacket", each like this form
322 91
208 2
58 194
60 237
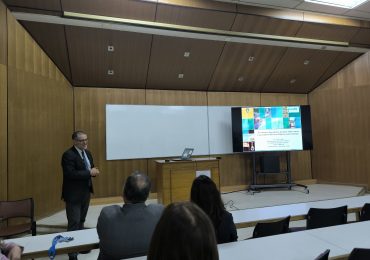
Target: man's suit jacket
126 231
77 182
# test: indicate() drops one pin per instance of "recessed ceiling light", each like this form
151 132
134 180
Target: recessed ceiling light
110 48
349 4
292 81
241 78
306 62
251 58
186 54
181 76
110 72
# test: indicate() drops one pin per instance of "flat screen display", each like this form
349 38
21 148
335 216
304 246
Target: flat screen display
273 128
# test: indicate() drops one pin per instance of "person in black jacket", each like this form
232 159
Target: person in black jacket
205 194
78 168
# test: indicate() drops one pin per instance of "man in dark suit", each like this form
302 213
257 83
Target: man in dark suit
78 168
126 231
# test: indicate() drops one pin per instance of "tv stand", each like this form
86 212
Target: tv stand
255 187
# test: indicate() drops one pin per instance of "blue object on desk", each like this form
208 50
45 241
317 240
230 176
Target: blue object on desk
56 240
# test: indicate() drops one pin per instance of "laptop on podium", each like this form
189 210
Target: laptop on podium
186 155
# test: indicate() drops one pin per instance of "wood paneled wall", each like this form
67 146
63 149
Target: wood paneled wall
235 169
40 121
3 104
341 125
90 117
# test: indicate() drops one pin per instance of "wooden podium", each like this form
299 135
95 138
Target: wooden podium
174 178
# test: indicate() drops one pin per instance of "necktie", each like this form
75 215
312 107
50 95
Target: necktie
86 161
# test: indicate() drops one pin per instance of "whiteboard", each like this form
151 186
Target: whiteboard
143 131
220 130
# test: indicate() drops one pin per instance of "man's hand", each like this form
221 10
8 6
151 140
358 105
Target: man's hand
94 172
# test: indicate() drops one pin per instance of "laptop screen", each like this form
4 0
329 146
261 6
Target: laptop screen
186 154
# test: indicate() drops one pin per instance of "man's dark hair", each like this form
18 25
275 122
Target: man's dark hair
137 187
76 133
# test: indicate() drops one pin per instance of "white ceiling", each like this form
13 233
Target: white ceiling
360 12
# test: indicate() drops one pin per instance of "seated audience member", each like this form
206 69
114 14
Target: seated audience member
205 194
184 232
125 232
10 251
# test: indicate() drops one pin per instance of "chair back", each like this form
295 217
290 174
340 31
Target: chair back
324 255
365 212
360 254
318 218
271 228
17 209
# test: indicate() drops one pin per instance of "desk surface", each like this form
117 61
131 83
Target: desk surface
297 211
304 245
38 246
345 236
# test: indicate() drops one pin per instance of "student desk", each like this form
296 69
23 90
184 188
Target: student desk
297 211
344 237
303 245
38 246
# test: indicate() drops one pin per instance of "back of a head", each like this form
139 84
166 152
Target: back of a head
137 188
205 194
184 232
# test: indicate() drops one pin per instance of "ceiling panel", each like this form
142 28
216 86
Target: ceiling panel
339 62
51 38
307 6
168 61
362 37
265 25
327 32
194 17
358 14
202 4
245 67
50 5
365 7
128 9
279 3
90 60
292 76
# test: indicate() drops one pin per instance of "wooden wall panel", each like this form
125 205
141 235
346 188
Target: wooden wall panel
3 34
40 119
341 125
90 117
90 104
300 161
3 105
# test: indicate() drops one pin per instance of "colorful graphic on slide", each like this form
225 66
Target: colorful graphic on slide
261 122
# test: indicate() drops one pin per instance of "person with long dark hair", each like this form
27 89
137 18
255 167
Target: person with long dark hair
184 232
205 194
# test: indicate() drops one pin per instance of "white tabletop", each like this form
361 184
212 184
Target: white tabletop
39 245
345 236
249 217
291 246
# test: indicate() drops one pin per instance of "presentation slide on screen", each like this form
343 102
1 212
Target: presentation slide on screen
272 128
